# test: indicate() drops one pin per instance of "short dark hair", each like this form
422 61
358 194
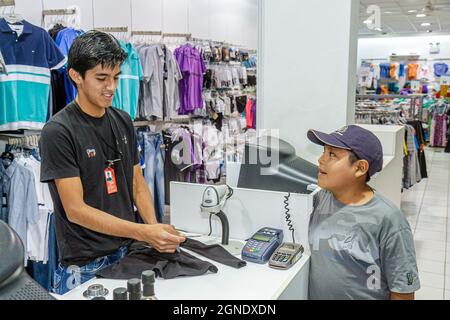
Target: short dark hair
353 158
94 48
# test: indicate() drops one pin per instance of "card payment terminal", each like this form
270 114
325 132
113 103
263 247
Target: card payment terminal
261 245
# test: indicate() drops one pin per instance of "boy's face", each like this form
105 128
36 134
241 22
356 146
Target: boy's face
335 169
99 85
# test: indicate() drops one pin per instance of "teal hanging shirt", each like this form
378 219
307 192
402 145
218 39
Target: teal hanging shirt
127 92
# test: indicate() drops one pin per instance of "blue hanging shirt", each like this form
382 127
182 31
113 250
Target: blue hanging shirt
64 40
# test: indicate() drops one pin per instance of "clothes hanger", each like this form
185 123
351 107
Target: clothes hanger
12 17
7 156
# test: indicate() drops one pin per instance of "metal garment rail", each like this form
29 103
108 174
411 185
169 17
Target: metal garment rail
146 33
177 35
412 97
58 12
423 59
7 3
112 29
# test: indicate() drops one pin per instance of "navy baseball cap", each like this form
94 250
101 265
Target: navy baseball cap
363 143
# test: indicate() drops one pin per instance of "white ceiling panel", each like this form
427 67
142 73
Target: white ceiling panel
398 17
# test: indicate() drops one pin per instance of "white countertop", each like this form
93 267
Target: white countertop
252 282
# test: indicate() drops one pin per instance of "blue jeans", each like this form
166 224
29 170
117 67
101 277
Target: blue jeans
4 214
68 278
154 170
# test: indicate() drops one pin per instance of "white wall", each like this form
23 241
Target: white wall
233 21
374 48
307 68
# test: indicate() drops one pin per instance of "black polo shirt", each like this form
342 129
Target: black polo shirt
74 144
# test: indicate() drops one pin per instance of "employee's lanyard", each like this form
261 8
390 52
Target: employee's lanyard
116 149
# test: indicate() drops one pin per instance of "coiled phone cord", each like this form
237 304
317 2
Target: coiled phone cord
288 216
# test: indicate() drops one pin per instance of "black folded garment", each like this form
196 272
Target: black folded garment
141 257
165 265
214 252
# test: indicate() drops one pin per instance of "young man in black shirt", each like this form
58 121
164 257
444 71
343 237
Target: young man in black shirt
91 162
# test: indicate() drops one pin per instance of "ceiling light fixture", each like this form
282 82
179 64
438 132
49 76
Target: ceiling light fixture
412 11
367 22
388 12
426 24
421 15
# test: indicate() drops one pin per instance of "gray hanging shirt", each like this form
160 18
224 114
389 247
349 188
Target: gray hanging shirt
360 252
152 87
172 95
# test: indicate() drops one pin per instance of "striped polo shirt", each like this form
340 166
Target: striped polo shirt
24 92
127 93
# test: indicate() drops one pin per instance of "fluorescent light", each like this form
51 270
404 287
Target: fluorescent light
426 24
388 12
421 15
367 22
412 11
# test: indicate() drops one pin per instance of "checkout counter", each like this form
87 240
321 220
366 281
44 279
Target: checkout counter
253 282
249 210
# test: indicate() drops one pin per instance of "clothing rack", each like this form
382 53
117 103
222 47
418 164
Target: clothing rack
223 43
7 3
7 135
158 122
412 97
10 16
379 117
112 29
201 40
440 107
423 59
378 112
388 96
146 33
28 141
58 12
177 35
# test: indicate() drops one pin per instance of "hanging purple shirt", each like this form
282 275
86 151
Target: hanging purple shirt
192 68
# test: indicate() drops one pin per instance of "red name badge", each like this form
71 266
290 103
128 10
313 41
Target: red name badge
110 178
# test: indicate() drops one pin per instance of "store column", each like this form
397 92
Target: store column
307 68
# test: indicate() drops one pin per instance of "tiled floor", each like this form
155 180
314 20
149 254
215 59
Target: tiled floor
427 207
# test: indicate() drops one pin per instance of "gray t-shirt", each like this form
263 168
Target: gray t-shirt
360 252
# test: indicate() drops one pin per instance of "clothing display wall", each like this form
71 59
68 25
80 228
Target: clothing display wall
396 111
200 94
27 204
396 77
